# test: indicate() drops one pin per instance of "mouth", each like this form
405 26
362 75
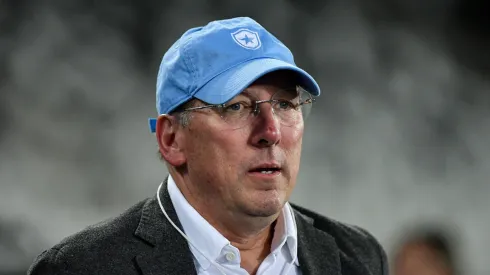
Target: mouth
266 170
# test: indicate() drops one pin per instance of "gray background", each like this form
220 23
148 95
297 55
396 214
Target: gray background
399 137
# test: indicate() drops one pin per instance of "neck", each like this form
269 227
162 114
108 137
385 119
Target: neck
252 235
253 242
252 239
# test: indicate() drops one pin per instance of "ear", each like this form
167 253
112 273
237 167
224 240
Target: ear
170 140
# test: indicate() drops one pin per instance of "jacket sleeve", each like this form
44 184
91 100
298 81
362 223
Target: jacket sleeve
47 263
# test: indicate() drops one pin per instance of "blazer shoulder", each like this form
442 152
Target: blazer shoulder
47 263
354 242
100 243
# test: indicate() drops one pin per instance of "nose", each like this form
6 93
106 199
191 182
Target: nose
267 127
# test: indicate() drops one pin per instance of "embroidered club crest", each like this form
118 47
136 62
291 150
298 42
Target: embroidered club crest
247 39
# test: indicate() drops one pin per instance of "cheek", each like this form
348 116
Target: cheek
292 139
216 153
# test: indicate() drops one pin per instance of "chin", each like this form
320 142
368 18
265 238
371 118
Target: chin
263 212
265 207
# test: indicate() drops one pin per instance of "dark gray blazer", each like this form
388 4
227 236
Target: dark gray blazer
141 241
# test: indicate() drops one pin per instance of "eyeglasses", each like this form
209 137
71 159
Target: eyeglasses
289 106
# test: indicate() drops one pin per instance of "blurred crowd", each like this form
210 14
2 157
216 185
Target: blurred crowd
427 250
402 135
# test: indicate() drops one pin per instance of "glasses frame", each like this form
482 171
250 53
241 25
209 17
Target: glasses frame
256 110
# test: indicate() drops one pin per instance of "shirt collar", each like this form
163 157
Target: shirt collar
285 233
210 242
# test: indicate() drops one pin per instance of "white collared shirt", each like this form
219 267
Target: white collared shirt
216 247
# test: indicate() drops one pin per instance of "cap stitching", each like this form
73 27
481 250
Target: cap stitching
194 70
185 46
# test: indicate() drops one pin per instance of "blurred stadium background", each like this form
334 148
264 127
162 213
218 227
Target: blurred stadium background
399 137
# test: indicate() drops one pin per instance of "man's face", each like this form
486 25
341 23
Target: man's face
225 164
419 259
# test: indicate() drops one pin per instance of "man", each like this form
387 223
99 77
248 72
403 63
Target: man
428 250
231 105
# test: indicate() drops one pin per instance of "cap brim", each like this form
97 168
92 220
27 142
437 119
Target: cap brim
230 83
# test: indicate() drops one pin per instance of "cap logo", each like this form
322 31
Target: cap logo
247 39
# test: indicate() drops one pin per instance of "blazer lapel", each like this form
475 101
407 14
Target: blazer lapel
169 252
318 253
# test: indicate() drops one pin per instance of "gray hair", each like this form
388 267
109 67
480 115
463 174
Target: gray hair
184 118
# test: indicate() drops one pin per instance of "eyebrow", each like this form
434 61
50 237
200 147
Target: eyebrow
245 93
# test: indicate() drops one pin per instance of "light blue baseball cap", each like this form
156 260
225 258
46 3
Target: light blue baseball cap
216 62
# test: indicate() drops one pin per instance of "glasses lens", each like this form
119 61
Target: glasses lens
289 106
237 113
292 106
306 102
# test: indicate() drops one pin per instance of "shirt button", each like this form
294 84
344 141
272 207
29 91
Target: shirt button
230 256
